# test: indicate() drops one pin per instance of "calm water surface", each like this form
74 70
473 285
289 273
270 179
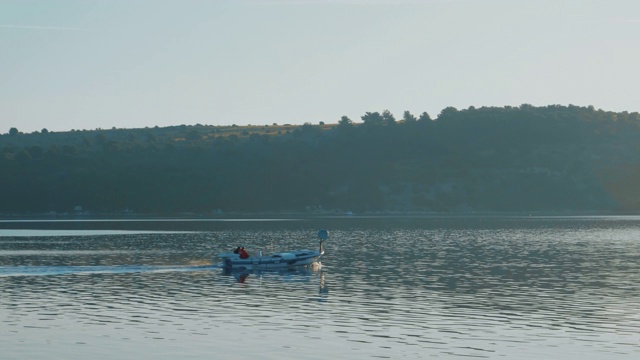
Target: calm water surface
494 288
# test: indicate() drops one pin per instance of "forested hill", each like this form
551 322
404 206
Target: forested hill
511 159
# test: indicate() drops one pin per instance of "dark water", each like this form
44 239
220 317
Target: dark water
510 288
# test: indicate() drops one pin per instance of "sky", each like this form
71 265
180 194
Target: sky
98 64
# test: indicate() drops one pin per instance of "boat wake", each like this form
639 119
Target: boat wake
8 271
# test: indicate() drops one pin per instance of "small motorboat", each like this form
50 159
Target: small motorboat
276 260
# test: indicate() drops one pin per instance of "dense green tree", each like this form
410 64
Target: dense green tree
193 135
36 152
22 156
424 117
448 113
372 119
388 118
408 118
345 122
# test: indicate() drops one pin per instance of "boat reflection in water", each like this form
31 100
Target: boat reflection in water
299 280
290 274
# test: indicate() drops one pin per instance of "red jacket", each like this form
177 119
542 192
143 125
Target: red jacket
243 254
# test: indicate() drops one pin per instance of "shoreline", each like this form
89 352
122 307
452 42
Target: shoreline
298 215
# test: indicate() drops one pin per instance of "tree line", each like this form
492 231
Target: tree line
515 159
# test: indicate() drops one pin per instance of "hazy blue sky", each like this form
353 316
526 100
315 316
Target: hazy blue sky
133 63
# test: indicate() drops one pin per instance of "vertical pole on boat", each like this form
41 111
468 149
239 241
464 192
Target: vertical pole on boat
322 235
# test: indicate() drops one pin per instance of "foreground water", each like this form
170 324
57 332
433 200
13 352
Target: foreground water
525 288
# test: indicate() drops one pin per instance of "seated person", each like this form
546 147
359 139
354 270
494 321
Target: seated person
243 253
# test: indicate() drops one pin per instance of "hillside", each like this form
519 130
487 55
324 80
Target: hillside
510 159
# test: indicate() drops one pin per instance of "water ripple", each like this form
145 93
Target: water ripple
514 288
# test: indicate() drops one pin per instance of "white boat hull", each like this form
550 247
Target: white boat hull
281 260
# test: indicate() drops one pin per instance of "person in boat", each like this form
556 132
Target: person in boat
243 253
237 250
